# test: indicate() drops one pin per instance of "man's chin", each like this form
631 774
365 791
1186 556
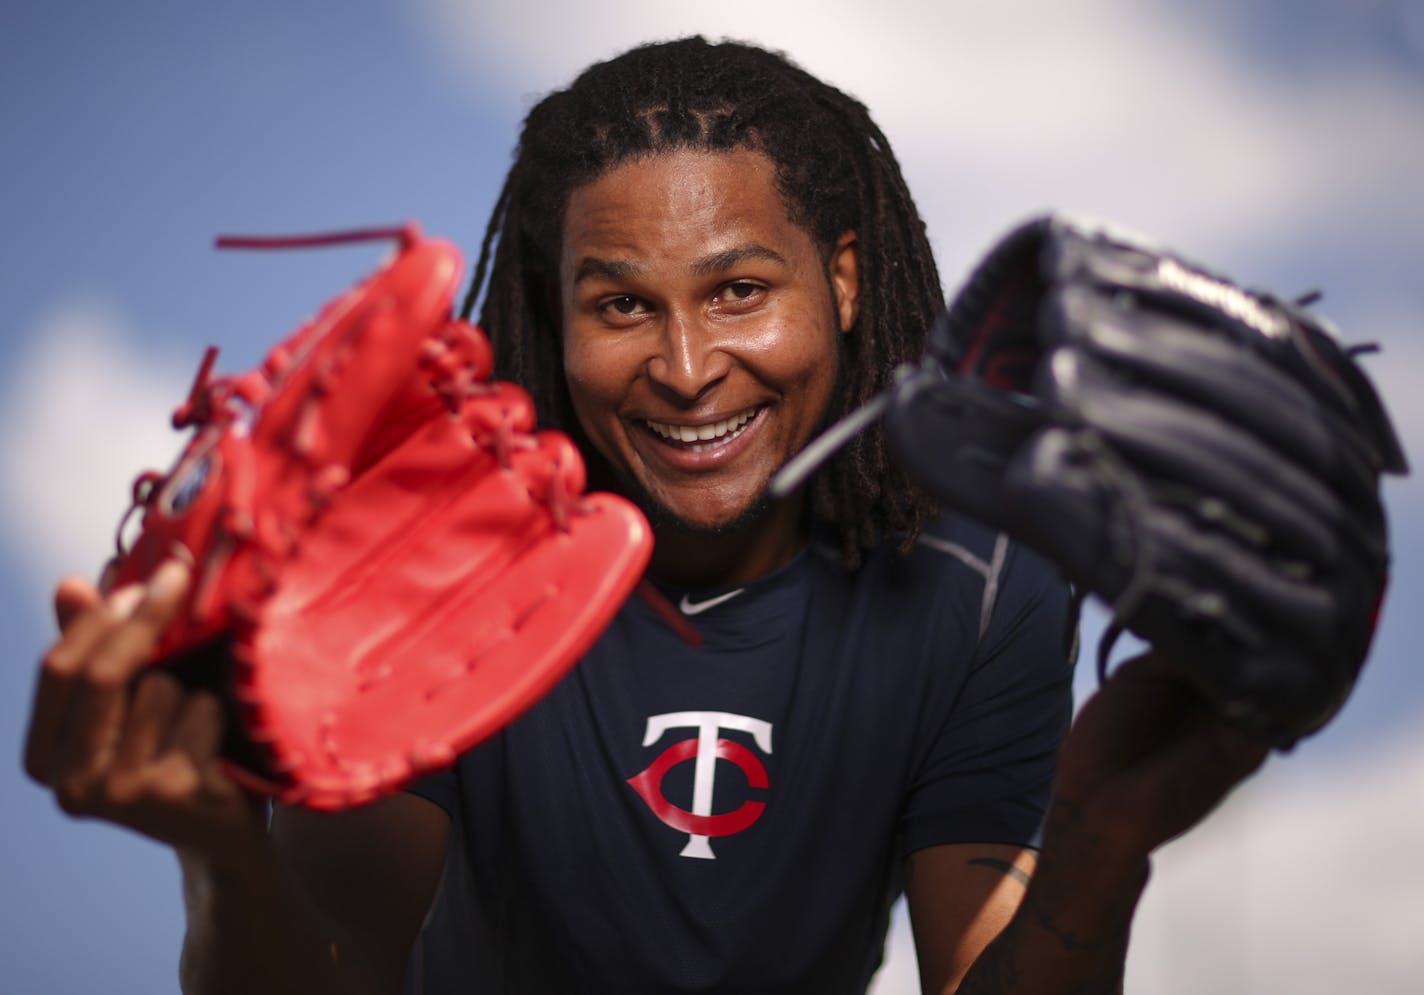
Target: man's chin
663 518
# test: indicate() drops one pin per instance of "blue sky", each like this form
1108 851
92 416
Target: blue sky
1283 143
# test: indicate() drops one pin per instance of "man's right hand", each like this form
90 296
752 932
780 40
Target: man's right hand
116 739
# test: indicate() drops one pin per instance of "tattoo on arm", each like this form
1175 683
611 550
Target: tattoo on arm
1069 940
1017 873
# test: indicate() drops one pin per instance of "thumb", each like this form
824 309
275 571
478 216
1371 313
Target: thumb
72 597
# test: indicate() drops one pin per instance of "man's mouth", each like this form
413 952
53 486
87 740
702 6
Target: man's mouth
698 438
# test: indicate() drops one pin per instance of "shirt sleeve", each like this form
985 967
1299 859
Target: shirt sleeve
987 773
440 787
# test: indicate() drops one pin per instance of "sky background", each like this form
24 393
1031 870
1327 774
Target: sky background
1281 142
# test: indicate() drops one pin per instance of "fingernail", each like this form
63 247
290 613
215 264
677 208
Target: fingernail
170 578
125 600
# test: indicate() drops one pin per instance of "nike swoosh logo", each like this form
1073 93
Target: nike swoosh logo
698 607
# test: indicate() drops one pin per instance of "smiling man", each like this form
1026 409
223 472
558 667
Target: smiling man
701 255
704 255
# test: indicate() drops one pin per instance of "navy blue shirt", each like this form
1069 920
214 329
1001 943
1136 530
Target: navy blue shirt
734 816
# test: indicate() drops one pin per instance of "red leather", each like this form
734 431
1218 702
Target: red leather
402 564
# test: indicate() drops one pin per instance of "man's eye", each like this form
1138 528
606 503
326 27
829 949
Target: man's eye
625 305
740 290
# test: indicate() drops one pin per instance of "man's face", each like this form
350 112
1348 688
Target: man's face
700 327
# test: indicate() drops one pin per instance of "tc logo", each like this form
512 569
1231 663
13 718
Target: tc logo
700 824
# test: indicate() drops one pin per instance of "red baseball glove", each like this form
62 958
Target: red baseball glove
389 562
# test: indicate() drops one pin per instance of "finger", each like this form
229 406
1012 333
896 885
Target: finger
178 792
1129 717
1220 757
1191 774
157 701
72 597
1151 665
92 724
198 731
197 737
1177 712
187 761
62 668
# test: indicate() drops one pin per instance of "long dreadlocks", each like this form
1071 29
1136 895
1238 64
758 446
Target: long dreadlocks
836 172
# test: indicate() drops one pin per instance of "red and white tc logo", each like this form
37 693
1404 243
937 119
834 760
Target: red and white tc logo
705 749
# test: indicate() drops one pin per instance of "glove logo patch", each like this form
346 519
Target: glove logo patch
1214 293
705 749
188 481
189 488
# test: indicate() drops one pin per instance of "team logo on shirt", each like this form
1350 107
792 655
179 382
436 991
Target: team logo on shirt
704 749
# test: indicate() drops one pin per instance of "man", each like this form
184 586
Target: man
701 255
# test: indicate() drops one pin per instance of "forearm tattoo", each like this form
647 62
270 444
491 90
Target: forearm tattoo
1017 873
1000 968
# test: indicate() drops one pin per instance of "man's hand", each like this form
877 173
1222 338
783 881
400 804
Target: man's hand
1147 759
116 739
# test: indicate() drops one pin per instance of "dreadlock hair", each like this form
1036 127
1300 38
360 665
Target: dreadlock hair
836 172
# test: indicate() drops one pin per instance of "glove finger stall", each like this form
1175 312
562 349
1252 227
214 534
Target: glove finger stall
1212 458
1162 352
1195 592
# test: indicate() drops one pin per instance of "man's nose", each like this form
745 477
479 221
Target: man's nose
691 357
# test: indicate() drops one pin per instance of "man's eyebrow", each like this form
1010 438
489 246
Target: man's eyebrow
609 269
591 267
718 262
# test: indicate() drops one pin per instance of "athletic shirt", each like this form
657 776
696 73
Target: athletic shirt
733 817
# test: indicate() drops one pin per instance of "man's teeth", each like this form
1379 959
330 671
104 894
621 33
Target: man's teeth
719 432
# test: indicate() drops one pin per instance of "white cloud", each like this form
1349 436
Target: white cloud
1137 112
83 411
1306 882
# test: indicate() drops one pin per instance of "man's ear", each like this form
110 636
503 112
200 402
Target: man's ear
843 271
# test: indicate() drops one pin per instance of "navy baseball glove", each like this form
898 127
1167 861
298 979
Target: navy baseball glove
1205 458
